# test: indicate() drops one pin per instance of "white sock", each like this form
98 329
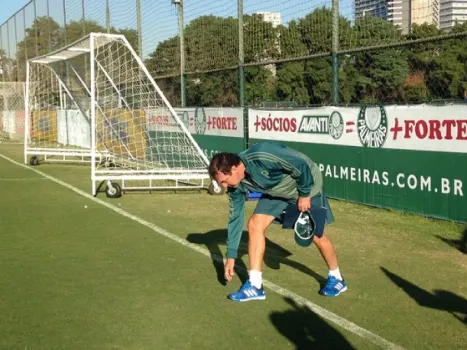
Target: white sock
256 278
336 274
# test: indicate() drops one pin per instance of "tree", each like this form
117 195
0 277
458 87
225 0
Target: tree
318 80
3 66
213 89
438 69
261 39
290 83
381 71
211 43
75 30
259 84
165 59
171 88
131 35
42 37
421 62
261 44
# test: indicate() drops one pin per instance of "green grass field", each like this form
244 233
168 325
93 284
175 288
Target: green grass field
137 273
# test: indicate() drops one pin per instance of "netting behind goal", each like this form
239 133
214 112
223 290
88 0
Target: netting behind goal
58 123
97 94
12 111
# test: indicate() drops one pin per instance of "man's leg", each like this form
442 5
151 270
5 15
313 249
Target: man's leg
335 283
267 210
257 226
327 251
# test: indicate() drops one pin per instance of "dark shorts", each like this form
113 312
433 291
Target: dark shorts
275 206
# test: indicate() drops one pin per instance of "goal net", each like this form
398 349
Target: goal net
12 111
58 123
135 136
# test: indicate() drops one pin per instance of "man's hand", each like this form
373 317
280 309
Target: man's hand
229 269
304 203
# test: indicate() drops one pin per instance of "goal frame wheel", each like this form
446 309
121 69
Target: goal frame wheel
113 190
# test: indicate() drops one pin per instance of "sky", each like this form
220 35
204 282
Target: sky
9 7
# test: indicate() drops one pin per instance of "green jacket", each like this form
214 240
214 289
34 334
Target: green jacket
273 169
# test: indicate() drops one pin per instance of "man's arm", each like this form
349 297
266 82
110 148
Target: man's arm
236 222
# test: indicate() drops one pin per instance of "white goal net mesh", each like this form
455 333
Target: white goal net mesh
12 111
134 122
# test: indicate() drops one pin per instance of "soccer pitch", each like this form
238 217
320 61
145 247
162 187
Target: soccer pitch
142 272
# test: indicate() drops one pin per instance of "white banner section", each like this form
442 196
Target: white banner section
419 127
213 121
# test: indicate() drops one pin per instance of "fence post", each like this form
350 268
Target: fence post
181 31
83 16
8 47
16 45
241 74
139 27
25 44
107 16
50 30
334 52
2 55
36 25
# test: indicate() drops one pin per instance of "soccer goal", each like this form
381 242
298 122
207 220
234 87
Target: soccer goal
136 140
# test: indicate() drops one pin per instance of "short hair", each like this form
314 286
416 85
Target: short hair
223 162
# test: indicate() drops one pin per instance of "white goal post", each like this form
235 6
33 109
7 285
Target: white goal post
136 139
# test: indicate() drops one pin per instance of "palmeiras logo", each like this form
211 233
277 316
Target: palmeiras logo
200 120
372 125
336 125
185 118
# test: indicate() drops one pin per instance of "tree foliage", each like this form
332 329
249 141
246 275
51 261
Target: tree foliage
400 74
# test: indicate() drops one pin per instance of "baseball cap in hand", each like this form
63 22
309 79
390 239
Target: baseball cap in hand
304 229
305 224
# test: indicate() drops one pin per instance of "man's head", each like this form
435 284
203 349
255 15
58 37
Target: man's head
227 169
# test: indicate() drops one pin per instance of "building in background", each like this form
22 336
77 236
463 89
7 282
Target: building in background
275 19
403 13
425 11
452 11
271 17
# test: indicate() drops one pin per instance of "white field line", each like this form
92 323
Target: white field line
340 321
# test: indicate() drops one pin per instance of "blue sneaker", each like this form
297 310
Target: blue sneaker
248 292
333 287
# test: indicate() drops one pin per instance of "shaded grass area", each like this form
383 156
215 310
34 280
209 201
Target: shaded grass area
89 278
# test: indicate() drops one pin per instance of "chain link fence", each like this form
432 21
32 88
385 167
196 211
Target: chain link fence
246 52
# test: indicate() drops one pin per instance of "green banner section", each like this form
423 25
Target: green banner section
428 183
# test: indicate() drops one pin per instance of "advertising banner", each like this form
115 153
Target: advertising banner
215 129
44 126
119 132
422 127
74 129
412 158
